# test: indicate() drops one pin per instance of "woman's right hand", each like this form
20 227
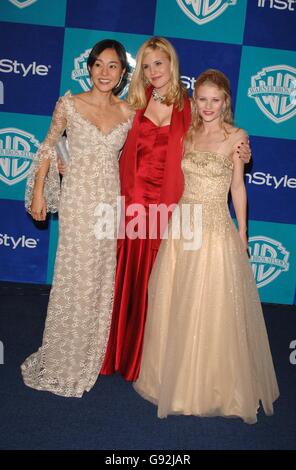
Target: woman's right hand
62 168
38 207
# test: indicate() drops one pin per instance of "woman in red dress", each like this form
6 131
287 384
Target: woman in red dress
150 173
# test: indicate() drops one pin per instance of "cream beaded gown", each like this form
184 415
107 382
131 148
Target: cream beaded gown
206 349
80 305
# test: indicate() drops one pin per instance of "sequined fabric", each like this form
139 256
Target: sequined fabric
206 350
80 305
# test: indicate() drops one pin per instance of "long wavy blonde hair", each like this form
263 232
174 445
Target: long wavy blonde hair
137 90
217 78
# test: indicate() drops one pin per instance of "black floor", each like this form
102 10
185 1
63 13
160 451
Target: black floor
112 416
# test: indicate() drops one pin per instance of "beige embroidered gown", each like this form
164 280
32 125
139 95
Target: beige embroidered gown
80 304
206 350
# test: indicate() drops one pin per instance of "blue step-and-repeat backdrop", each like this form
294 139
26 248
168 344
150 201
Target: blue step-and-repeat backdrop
44 46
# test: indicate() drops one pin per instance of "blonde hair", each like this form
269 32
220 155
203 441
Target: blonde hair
217 78
137 90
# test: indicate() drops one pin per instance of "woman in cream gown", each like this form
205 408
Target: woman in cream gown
206 349
81 298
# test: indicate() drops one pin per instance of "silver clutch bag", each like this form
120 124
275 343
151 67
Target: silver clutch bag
62 150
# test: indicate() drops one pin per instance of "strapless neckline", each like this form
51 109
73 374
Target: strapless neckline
155 125
211 152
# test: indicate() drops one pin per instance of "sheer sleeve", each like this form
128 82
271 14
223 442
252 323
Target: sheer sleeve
47 151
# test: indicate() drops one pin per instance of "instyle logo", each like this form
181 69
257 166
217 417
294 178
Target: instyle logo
81 75
260 178
18 242
17 150
269 258
19 68
188 82
274 91
22 3
203 11
278 4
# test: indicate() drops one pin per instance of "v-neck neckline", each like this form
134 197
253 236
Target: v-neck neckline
88 121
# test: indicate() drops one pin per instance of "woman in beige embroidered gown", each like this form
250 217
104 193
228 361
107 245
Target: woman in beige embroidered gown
80 304
206 349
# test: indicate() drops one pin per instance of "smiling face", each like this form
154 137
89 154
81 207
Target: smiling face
156 67
210 102
106 71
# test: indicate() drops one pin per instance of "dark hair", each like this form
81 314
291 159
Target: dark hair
120 51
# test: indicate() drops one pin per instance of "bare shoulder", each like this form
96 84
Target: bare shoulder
237 134
125 108
80 95
84 96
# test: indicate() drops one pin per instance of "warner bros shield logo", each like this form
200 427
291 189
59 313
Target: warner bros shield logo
17 150
203 11
81 74
22 3
274 90
269 258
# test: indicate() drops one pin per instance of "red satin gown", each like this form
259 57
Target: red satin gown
136 258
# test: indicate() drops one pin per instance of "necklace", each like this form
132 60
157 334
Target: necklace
157 96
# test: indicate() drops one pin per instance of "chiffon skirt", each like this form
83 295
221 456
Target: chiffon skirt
206 350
